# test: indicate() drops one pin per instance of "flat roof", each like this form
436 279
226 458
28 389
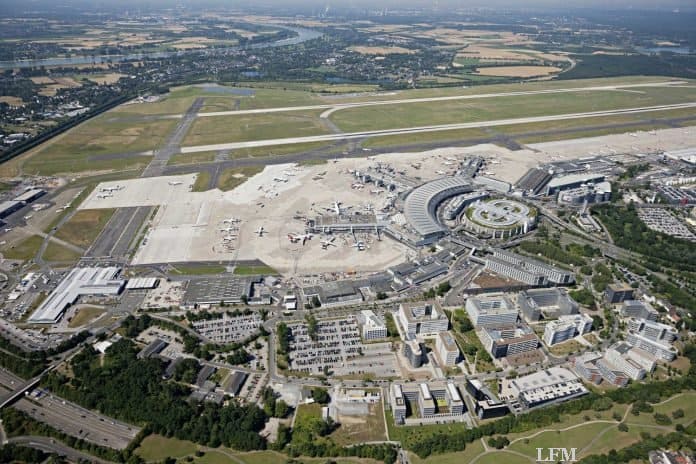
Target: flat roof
80 281
574 178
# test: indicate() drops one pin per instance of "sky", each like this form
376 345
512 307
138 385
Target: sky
512 4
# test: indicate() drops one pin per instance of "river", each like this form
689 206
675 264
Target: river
303 35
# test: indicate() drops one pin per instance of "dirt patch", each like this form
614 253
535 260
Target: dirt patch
518 71
110 78
12 101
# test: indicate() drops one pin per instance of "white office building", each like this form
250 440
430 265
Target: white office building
566 327
373 328
658 349
447 349
491 311
422 318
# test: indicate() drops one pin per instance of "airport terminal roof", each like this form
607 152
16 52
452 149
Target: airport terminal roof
420 205
80 281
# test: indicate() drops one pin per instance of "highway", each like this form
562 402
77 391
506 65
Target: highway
435 128
71 418
49 445
331 108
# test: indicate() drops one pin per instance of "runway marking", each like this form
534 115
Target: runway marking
422 129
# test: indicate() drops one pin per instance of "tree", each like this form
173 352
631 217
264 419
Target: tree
281 409
321 395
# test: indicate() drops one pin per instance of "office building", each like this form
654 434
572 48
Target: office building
491 311
622 356
653 330
447 349
659 349
585 366
618 293
486 403
422 318
398 404
413 351
612 373
552 385
373 328
638 309
566 327
549 302
506 341
517 263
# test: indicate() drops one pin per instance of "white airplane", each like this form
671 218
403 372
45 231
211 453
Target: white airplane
449 158
633 135
442 173
360 245
229 229
368 207
327 243
280 179
231 220
448 163
175 182
357 185
229 238
110 189
376 192
296 238
104 195
260 231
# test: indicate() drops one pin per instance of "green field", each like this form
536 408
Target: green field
234 177
84 315
245 269
84 227
24 250
73 151
222 129
193 158
199 269
202 181
157 447
472 450
462 111
685 402
58 253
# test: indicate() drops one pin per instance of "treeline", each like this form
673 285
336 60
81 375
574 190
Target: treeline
133 390
639 451
626 65
29 364
16 453
629 232
552 251
654 392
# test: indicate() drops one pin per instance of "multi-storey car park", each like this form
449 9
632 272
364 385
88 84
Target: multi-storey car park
499 218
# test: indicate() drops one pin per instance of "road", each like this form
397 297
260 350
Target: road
50 445
435 128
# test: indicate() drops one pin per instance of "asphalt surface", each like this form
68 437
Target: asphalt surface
115 238
50 445
70 418
331 108
426 129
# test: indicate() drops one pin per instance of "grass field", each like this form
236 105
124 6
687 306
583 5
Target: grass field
245 269
461 111
202 181
360 430
157 447
193 158
685 402
58 253
472 450
24 250
84 315
199 269
84 227
242 128
233 177
562 349
76 150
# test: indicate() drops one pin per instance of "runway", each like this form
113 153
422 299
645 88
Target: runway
331 108
436 128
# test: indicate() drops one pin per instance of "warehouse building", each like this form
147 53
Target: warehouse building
216 290
9 207
85 281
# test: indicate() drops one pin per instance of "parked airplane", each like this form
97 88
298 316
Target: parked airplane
376 192
327 243
231 220
110 189
337 208
296 238
229 229
175 182
360 245
260 231
280 179
104 195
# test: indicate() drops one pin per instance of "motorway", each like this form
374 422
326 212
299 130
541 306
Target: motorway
70 418
435 128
